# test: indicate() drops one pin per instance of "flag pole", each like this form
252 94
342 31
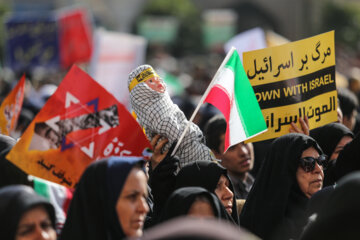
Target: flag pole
226 59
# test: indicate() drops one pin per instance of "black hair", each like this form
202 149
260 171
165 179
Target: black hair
214 128
348 101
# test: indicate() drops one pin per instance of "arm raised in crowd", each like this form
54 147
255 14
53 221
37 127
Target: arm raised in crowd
158 155
162 173
304 123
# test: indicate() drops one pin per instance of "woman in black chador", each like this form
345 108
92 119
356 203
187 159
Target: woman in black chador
213 177
332 138
291 173
196 202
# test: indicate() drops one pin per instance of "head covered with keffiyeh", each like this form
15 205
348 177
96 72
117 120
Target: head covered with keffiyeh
159 115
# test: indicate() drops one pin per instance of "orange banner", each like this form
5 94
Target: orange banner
10 108
80 123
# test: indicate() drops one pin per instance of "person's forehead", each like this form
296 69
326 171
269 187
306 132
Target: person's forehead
155 77
309 151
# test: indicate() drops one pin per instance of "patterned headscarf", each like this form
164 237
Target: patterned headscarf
159 115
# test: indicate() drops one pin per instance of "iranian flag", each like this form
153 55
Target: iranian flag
230 91
58 195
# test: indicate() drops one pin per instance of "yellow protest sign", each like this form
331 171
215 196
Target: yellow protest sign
294 80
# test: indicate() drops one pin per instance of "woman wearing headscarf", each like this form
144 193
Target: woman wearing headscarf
339 216
212 177
348 159
291 173
25 215
109 201
332 138
195 202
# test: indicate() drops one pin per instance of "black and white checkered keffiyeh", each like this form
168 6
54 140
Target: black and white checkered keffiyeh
159 115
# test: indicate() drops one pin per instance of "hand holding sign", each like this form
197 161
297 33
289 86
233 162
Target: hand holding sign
304 123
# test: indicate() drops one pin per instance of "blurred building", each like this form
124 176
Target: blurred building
294 19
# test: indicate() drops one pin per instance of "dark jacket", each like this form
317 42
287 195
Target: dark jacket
339 216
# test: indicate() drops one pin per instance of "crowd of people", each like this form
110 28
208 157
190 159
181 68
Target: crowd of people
306 185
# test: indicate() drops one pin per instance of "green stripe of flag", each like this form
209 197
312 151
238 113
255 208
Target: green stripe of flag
41 188
245 99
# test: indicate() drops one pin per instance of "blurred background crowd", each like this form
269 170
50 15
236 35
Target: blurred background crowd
183 40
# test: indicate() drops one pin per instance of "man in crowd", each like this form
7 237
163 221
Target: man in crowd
238 159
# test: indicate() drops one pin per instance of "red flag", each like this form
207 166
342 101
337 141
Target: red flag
10 108
75 37
80 123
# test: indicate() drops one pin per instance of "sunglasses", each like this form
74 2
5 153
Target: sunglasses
308 163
